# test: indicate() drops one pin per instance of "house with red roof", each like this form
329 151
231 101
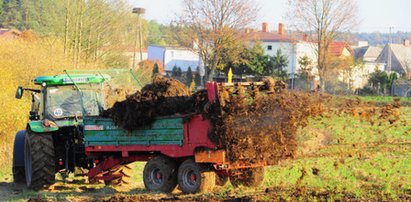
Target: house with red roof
340 49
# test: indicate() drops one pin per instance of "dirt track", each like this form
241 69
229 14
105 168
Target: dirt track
79 192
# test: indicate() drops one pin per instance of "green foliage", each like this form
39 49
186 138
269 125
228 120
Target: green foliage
378 80
155 70
25 14
254 61
391 79
11 11
176 71
305 66
159 34
91 30
276 65
189 77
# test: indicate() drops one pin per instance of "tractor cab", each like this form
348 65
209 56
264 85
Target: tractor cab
63 98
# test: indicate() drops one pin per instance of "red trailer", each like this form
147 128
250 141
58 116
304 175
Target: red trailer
177 149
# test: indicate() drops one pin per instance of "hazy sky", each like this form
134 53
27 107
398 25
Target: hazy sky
375 15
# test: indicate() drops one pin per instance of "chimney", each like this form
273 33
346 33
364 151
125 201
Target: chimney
265 27
406 42
281 30
305 37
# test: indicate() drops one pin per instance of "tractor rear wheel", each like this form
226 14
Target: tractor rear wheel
160 174
194 178
125 180
39 160
19 177
249 177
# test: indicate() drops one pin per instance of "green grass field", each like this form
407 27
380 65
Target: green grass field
353 158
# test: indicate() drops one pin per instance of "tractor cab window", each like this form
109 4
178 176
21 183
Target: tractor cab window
65 102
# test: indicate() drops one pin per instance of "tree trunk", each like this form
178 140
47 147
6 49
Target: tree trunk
66 28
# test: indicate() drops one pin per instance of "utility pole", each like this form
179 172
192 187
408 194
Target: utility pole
139 12
389 52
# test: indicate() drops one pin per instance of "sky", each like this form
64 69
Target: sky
374 15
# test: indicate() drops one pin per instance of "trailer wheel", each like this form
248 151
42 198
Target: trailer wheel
193 178
250 177
125 180
39 160
160 174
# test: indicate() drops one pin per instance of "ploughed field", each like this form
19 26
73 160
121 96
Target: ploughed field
348 149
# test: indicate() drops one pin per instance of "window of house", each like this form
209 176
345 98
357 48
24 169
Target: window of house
269 47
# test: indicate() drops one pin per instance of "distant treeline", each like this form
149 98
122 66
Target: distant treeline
379 39
90 29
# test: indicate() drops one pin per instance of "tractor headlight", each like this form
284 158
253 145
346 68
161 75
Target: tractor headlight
44 84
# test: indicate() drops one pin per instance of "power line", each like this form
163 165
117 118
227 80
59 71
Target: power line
389 50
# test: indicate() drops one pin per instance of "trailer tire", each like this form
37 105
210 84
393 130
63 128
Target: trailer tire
160 174
39 160
194 178
125 180
249 177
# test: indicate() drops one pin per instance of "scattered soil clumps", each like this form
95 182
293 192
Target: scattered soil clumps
263 129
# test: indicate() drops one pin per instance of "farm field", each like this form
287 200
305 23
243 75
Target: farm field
340 157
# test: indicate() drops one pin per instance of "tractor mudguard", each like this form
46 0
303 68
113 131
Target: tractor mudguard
18 149
38 127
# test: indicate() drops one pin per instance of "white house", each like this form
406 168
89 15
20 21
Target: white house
292 48
174 56
368 55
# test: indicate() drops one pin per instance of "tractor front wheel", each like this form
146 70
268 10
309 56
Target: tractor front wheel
39 160
194 178
160 174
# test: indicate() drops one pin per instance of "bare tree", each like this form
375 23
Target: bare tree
212 25
325 20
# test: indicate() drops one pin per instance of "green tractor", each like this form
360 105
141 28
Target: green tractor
53 140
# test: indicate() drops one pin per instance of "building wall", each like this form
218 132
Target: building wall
181 58
287 49
156 53
293 51
309 50
360 74
170 57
